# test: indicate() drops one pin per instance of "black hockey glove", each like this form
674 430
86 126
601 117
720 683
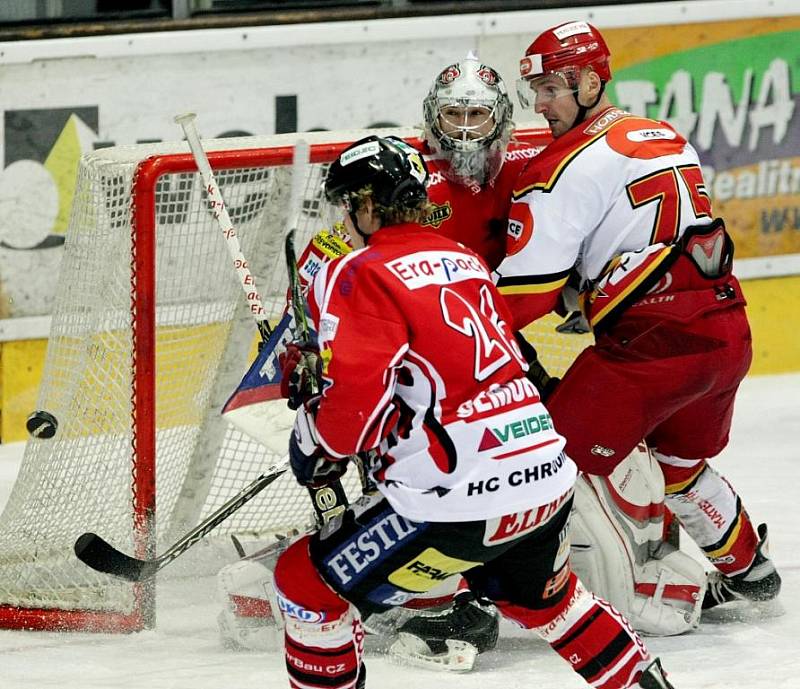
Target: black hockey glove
301 372
311 465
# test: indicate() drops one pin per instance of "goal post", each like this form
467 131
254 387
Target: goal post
150 334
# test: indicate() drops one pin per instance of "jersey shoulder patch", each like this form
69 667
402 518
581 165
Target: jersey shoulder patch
638 137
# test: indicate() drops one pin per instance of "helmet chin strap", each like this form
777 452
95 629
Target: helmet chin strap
583 109
354 220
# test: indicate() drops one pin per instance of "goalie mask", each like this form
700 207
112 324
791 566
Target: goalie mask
468 121
388 169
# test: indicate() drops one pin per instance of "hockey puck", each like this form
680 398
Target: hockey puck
42 424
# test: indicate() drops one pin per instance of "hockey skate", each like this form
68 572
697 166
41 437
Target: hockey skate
654 678
450 640
759 584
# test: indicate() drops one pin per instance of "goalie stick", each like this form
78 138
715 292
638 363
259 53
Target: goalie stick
100 555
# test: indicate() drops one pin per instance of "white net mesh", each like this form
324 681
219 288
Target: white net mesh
86 477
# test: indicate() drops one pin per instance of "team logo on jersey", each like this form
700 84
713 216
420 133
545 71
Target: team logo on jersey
602 451
520 228
438 215
449 75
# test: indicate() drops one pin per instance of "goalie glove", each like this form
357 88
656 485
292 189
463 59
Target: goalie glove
311 465
301 371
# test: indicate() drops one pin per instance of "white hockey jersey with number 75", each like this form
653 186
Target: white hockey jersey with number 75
605 201
420 362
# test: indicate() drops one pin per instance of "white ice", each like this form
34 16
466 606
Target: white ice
728 651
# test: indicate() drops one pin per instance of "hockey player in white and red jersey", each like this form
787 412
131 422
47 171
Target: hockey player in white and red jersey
616 206
418 363
617 521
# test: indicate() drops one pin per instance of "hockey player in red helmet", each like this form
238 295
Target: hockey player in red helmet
625 230
569 59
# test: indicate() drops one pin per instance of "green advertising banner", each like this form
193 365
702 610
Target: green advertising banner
733 89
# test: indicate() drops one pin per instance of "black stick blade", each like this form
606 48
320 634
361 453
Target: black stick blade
100 555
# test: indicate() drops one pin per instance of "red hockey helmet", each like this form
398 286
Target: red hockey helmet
565 49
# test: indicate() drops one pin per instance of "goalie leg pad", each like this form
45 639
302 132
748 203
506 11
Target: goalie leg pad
250 618
668 594
324 637
618 551
590 634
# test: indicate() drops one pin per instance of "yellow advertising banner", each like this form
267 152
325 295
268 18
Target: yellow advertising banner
732 87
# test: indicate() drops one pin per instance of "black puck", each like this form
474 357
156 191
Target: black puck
42 424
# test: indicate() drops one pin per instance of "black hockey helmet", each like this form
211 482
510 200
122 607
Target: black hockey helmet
393 170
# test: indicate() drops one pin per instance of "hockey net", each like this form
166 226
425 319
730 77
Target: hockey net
150 335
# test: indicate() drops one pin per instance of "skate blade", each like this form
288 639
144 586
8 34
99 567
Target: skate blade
744 611
413 651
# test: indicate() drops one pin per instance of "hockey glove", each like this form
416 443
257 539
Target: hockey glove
311 465
301 370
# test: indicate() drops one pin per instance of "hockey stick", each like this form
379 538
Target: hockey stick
100 555
327 500
220 211
331 499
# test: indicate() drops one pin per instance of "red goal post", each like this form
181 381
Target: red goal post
150 334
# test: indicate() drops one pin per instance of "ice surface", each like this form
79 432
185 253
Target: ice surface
728 651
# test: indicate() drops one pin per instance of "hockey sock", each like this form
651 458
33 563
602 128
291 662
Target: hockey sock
594 638
324 637
711 513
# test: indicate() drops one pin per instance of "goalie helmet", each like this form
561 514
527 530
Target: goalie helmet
394 172
564 49
468 121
